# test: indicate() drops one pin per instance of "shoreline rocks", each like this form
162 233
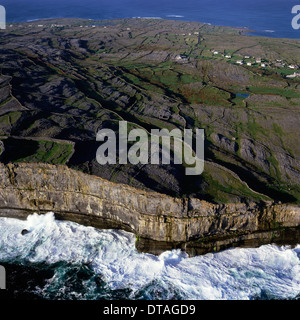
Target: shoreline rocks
160 222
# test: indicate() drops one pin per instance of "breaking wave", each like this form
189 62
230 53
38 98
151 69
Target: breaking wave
65 260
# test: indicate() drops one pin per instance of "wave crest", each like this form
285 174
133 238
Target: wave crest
232 274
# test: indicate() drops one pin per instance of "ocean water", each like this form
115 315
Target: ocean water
267 17
64 260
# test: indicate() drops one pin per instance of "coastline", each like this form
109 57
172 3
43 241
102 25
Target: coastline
101 236
167 223
159 222
243 30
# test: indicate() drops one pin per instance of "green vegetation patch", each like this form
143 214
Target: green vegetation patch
276 91
31 151
225 188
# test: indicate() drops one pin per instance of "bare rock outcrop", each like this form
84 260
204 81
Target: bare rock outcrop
160 219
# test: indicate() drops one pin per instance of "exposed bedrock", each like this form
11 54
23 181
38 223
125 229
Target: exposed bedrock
160 222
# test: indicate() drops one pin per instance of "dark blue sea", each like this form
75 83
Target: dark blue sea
267 17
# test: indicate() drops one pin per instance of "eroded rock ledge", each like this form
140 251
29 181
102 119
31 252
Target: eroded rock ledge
160 222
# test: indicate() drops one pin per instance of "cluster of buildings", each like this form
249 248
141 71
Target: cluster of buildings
242 61
249 61
188 34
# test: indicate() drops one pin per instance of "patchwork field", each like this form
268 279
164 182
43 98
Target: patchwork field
63 80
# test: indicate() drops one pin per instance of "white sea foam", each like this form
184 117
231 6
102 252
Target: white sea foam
174 16
231 274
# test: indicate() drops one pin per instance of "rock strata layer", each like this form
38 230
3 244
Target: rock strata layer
160 222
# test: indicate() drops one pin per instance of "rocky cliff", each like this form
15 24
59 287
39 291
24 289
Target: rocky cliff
160 222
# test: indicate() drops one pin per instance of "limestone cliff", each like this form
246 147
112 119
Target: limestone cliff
159 221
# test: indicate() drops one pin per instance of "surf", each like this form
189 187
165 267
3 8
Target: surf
110 261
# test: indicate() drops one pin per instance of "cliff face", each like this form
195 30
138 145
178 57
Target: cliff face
164 221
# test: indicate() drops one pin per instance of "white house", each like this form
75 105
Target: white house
240 62
294 75
258 60
228 56
292 66
216 52
181 57
249 64
247 57
263 65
